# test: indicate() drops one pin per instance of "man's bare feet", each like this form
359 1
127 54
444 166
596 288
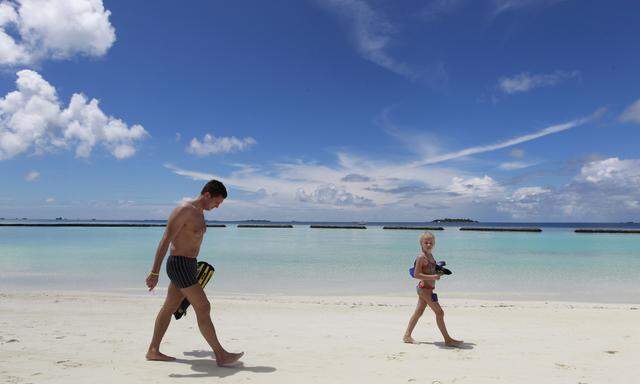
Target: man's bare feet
155 355
409 340
228 359
453 343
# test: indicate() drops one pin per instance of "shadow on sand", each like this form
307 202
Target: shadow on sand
207 367
442 345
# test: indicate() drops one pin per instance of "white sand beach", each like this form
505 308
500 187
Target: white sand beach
102 338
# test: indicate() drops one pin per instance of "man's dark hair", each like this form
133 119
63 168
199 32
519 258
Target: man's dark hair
215 188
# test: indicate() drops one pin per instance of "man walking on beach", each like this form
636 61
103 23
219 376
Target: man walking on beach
184 233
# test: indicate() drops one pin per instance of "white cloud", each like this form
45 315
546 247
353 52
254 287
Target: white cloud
421 142
631 114
517 153
514 165
50 200
526 202
524 193
383 190
372 34
33 117
525 82
178 137
501 6
212 145
612 172
511 142
603 190
478 187
332 195
193 175
368 188
32 176
33 30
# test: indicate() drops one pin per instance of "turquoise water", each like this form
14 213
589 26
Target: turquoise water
555 265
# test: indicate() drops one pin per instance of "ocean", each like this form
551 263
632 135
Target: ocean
556 264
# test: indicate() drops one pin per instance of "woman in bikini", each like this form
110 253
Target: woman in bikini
425 271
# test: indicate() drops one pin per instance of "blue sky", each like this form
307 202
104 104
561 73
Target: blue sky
505 110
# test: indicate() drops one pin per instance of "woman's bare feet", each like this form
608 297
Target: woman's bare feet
155 355
408 340
228 358
453 343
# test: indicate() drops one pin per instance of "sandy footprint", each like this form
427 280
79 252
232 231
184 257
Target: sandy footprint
12 379
396 356
68 364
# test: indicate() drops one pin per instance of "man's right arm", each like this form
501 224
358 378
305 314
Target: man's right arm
174 225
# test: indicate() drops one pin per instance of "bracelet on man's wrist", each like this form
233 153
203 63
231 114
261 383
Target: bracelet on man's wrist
154 273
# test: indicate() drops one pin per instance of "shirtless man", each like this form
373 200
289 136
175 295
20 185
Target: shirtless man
184 232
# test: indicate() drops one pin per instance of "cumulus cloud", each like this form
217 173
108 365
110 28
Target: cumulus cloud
298 187
32 176
33 30
612 172
211 145
525 81
370 188
32 116
631 114
601 190
525 202
607 189
332 195
480 187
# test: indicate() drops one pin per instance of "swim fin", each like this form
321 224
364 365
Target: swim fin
441 270
205 273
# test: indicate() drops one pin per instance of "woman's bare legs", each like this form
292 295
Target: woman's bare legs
420 307
439 312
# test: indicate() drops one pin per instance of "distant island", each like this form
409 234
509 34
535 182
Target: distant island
257 221
450 220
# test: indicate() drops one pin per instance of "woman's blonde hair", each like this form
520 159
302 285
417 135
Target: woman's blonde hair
426 235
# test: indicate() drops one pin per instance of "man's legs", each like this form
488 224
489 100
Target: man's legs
171 303
198 299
